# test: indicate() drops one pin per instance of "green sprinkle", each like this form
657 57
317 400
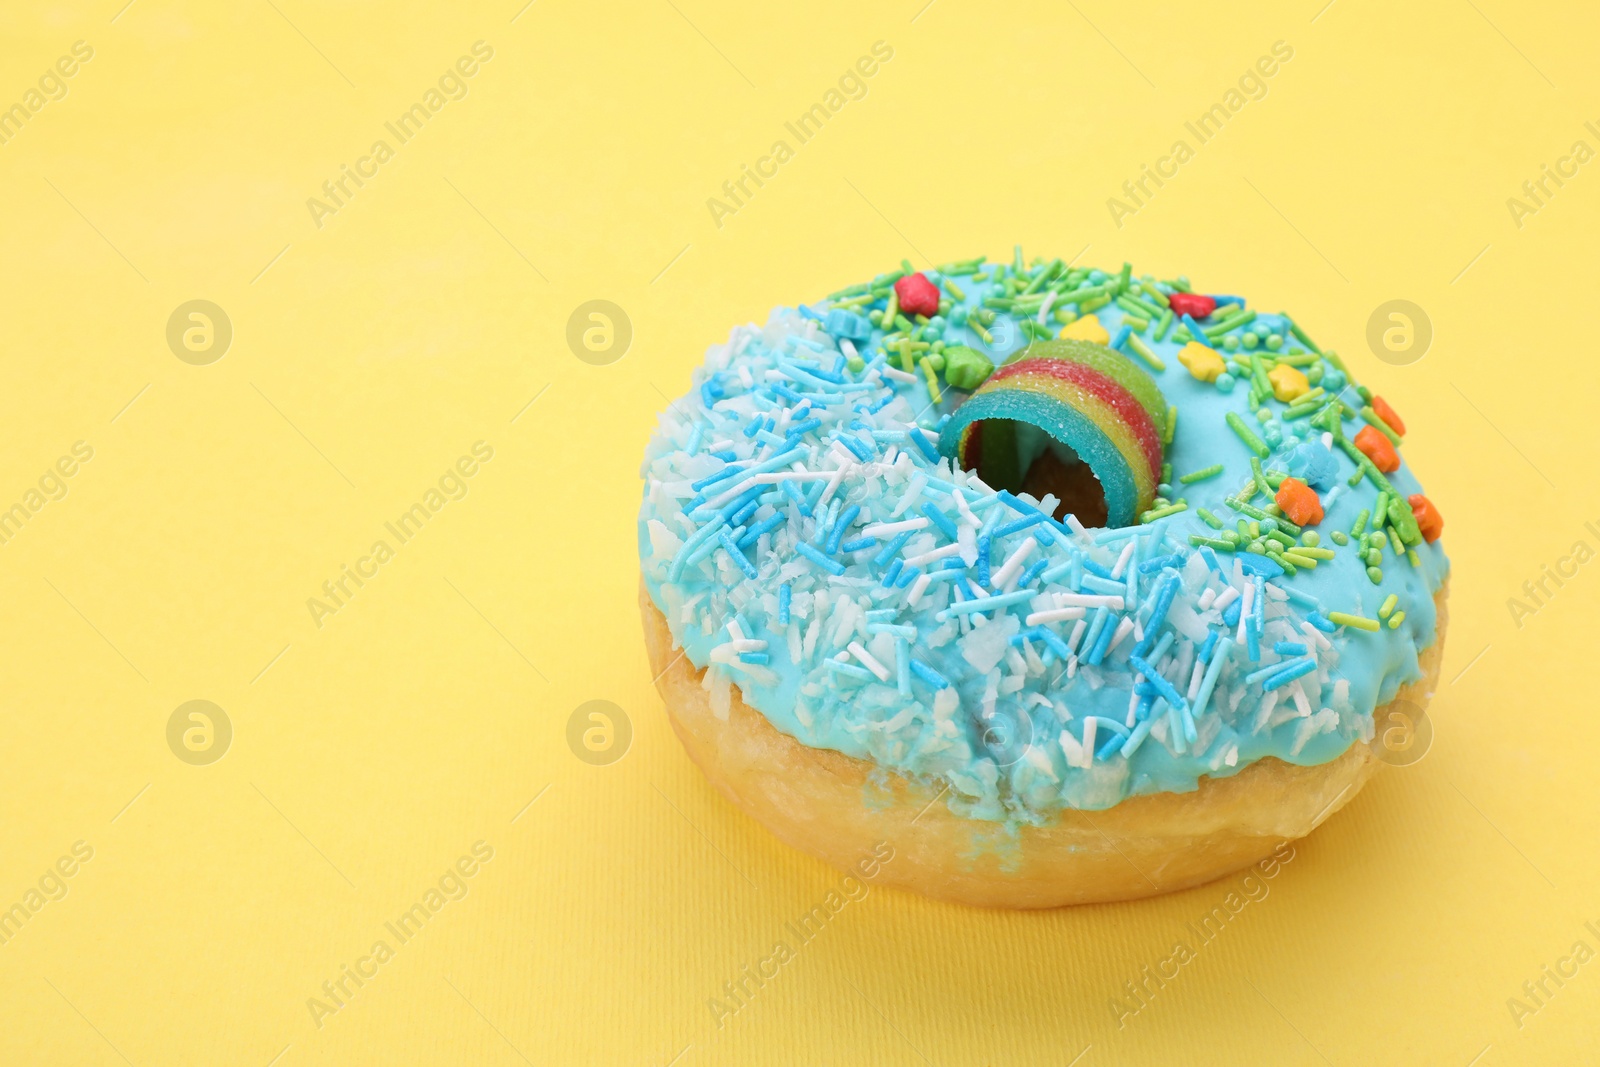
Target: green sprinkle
1201 475
1376 574
1412 558
1300 560
1137 323
1339 537
1314 552
1144 353
1161 513
1211 542
1247 435
1396 619
892 309
1311 539
1339 618
1208 518
951 287
1167 319
1299 335
1387 606
1172 423
1122 279
1374 419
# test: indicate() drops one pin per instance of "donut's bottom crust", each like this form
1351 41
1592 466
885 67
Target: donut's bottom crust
837 807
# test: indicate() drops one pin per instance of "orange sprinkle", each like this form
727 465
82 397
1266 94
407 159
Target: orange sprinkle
1377 448
1429 521
1388 415
1299 502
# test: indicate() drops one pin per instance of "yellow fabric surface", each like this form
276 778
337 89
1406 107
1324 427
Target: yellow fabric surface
397 347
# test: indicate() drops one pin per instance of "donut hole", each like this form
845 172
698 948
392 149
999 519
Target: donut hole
1022 458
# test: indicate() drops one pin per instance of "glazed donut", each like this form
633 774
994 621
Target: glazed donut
1071 586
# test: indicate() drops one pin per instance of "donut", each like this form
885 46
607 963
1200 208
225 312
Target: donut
1066 585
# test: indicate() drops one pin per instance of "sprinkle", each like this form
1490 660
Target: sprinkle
849 670
1294 670
1396 619
784 594
1201 475
831 566
932 555
881 529
1339 618
1247 435
1388 606
981 604
929 675
868 660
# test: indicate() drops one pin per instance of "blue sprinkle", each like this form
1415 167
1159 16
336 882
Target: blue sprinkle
902 665
858 544
738 518
856 446
985 543
1017 527
892 573
783 604
850 670
1113 741
1288 674
920 439
837 534
1107 632
1098 624
954 563
1164 595
938 518
1033 572
928 674
1289 648
696 435
1317 619
1150 566
733 553
787 393
724 473
833 567
1164 687
796 429
752 534
807 313
1096 569
1261 565
1195 330
1305 600
756 425
1122 336
1104 586
907 576
883 557
1230 614
1211 559
1210 643
753 657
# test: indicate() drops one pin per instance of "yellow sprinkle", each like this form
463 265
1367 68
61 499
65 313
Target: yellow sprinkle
1287 382
1203 362
1087 328
933 382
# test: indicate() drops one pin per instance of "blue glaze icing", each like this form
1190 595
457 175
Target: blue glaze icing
864 597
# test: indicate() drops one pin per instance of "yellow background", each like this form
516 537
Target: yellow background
369 353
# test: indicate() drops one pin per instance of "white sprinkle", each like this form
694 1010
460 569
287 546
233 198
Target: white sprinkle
1124 628
1315 636
1088 742
1056 615
1206 598
1012 567
833 484
1077 632
1195 679
932 556
967 516
897 375
1228 596
1244 612
919 587
1088 600
1122 560
1044 309
868 661
850 349
888 529
1074 525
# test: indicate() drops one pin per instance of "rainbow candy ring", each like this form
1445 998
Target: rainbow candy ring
1088 397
